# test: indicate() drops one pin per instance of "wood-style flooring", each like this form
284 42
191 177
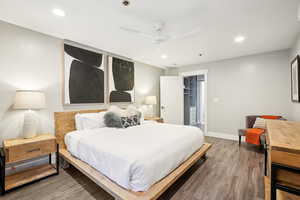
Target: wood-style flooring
229 173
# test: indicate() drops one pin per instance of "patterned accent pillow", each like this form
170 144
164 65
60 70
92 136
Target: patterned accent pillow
130 121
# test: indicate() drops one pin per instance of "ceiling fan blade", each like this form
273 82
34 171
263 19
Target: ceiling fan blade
161 38
132 30
188 34
157 38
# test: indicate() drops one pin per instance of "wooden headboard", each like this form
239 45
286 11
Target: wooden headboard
65 123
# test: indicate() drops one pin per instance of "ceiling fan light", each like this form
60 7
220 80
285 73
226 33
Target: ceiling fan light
239 39
59 12
164 56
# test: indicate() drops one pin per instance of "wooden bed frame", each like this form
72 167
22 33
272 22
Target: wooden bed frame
65 122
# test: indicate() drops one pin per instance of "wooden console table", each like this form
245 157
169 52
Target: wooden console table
283 144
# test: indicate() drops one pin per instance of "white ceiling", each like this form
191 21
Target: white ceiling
268 25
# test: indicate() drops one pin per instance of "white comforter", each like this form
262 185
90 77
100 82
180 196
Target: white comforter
135 157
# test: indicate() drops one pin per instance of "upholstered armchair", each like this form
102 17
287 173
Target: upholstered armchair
250 120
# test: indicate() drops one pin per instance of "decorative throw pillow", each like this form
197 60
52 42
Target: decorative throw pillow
260 123
113 120
130 121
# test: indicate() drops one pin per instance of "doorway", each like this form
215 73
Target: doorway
171 99
195 98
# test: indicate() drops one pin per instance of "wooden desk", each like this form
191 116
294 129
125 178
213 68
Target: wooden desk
283 140
280 194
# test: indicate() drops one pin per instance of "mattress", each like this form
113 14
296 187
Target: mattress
136 157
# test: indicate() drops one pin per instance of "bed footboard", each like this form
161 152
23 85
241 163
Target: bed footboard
120 193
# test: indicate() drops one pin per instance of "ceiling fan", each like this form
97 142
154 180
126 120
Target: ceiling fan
158 36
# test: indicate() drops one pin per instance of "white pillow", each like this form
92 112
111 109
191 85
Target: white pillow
119 111
78 122
132 110
143 110
89 120
260 123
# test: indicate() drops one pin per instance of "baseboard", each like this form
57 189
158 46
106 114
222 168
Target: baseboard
226 136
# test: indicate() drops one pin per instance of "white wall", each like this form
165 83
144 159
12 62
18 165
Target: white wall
294 52
258 84
30 60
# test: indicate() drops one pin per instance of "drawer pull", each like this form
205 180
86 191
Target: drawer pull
33 150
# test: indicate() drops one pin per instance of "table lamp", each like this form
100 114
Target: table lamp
151 100
29 100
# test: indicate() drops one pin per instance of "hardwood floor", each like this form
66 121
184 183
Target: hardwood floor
229 173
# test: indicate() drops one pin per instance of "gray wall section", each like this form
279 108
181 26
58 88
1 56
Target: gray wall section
31 60
171 71
257 84
293 53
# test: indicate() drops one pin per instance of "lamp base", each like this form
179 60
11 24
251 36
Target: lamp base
30 124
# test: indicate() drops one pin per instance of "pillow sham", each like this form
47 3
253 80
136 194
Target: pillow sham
86 121
143 110
78 122
131 110
112 120
117 110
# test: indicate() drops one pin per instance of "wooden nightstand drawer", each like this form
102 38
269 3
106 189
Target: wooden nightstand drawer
30 150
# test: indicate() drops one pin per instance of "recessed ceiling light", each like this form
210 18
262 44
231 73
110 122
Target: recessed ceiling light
58 12
125 3
239 39
164 56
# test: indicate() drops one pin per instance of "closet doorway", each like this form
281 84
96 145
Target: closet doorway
195 99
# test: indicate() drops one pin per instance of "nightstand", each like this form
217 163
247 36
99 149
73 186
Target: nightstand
158 119
16 150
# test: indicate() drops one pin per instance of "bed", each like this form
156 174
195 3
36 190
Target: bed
137 163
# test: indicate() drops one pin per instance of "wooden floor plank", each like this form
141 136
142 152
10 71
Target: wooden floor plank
229 173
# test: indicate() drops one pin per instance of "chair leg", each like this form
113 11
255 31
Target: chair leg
240 138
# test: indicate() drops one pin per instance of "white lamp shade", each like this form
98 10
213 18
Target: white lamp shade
150 100
28 99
